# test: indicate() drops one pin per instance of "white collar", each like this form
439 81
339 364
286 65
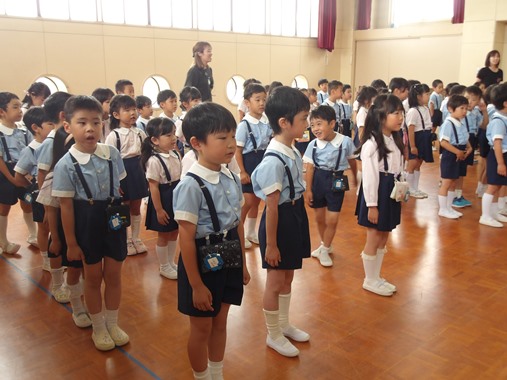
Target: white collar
209 175
51 134
253 120
102 151
336 142
172 153
331 103
125 131
34 144
142 120
388 139
499 114
454 121
6 130
282 148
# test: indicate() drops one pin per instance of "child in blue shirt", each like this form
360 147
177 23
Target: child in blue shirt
455 149
327 157
26 173
144 110
496 172
207 206
252 138
87 182
283 231
12 141
322 95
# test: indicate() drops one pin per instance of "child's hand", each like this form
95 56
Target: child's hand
55 247
309 198
373 215
502 170
202 298
272 256
460 156
245 178
74 253
414 151
163 217
246 275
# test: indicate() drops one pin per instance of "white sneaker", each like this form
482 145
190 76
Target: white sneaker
324 258
417 194
82 320
316 253
503 211
119 337
501 218
389 285
103 341
169 273
296 334
139 246
253 239
61 294
283 346
131 250
425 195
32 240
453 211
46 264
445 213
10 248
490 222
377 287
247 244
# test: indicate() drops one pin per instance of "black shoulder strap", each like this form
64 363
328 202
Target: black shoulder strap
164 166
209 201
292 190
455 132
386 167
339 157
314 154
468 125
85 184
6 148
422 119
343 109
118 142
250 133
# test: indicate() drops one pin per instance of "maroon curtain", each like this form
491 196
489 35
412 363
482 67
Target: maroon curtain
327 24
459 12
363 14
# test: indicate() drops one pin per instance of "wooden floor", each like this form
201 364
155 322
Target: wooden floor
447 321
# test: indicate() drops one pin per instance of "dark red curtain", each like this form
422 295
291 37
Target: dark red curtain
327 24
459 12
363 14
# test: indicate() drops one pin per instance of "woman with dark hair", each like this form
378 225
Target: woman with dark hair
200 74
491 73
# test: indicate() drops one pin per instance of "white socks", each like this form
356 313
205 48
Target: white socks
459 193
487 201
163 256
273 324
370 267
57 278
204 375
501 203
171 252
417 175
380 258
32 227
250 226
216 370
3 231
136 226
450 197
411 182
283 307
76 303
442 203
111 318
98 322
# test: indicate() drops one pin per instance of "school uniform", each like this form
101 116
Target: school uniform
497 129
453 131
420 118
101 172
44 153
443 108
254 136
436 100
338 112
12 142
225 285
322 96
360 121
346 118
472 121
484 147
164 168
377 185
330 159
177 122
141 123
27 165
282 170
129 141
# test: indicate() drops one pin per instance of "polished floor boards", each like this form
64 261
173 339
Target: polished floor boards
447 321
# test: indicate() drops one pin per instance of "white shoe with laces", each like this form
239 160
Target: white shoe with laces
139 246
169 272
131 250
82 320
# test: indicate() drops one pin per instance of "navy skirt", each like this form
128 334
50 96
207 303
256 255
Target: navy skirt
9 193
166 197
225 285
94 237
423 144
389 211
292 235
449 167
492 170
134 185
250 162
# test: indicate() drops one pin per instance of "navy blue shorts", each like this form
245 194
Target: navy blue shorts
292 235
225 285
323 195
94 237
166 197
484 147
449 167
389 211
492 170
250 162
423 144
474 143
9 193
134 185
63 252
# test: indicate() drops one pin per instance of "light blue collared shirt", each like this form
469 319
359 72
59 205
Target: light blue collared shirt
261 131
327 152
27 163
497 129
16 139
447 132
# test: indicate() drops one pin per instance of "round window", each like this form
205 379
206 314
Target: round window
235 89
300 81
152 86
54 83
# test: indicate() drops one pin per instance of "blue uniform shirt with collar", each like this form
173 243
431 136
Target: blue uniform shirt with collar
270 175
497 130
190 205
327 152
261 130
447 132
474 118
15 140
336 107
346 109
27 163
95 168
436 99
443 108
44 153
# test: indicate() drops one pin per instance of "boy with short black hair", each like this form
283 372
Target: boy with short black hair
104 96
335 94
322 95
125 87
144 110
168 102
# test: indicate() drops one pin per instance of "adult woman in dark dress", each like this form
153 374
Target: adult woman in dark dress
200 74
491 73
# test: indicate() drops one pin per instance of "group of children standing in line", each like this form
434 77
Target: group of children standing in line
84 186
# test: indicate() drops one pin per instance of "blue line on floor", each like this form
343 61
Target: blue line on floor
33 281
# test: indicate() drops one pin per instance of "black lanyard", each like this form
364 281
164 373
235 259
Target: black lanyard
85 184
